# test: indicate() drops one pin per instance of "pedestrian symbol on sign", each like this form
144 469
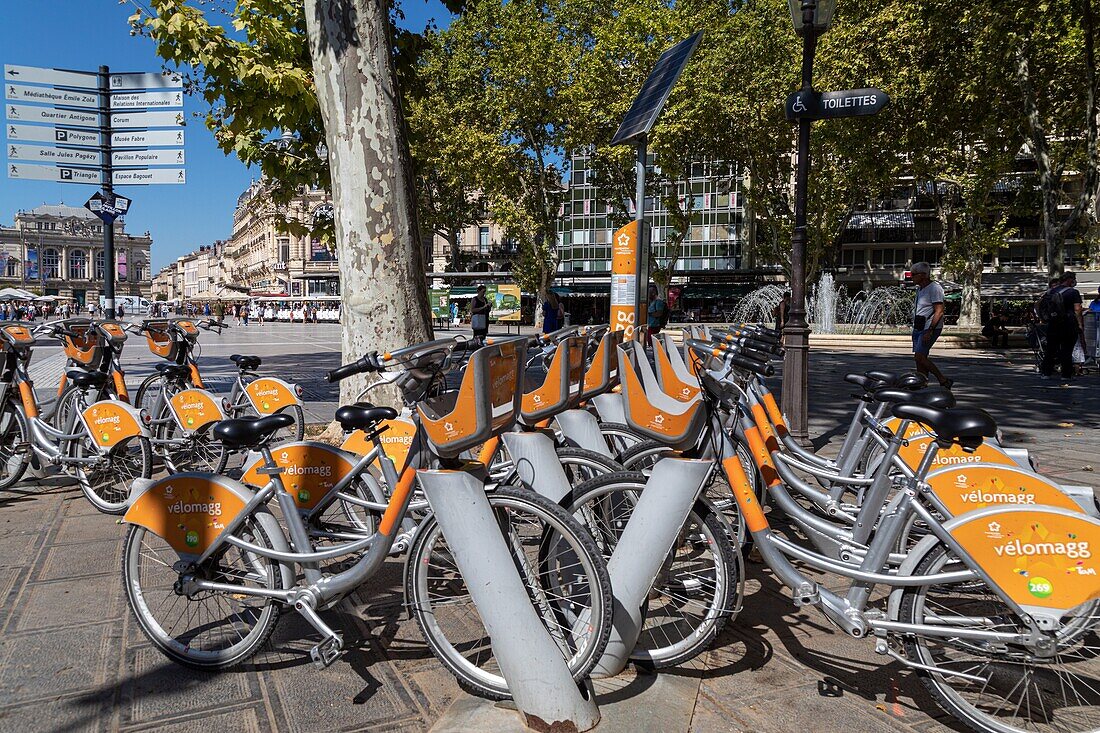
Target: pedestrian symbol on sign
180 176
12 151
179 137
179 156
13 113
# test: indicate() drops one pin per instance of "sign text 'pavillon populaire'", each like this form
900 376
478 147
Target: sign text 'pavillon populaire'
829 105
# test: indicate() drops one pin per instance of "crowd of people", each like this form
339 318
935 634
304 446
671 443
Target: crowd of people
1061 313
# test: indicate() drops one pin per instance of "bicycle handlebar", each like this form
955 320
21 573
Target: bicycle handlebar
733 356
369 363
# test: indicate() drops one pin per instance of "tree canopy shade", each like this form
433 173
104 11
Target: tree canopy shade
496 103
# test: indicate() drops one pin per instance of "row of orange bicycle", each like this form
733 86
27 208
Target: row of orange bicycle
625 486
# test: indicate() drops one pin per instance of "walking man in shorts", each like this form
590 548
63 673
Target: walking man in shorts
927 322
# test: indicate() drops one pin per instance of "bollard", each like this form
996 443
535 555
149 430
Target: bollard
537 464
610 407
581 429
538 678
661 511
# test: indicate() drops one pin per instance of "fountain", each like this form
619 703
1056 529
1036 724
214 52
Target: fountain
823 304
830 310
758 306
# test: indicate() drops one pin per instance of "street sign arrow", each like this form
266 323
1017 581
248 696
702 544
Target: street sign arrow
57 77
163 80
27 113
49 95
43 154
138 176
40 134
829 105
29 171
146 138
146 119
148 157
146 100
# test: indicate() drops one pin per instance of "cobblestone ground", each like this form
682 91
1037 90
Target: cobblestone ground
72 658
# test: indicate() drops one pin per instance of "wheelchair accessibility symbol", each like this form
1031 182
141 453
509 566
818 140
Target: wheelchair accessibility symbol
798 106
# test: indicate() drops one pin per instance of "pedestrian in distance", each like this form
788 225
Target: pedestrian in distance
995 330
656 314
479 316
553 313
927 322
782 311
1061 310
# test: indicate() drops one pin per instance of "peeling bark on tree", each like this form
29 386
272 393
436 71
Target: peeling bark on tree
385 304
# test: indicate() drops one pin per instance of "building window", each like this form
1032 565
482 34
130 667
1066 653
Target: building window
12 270
99 265
853 257
483 239
284 250
78 265
893 257
51 264
931 255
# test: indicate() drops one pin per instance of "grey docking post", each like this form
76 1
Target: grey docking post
538 678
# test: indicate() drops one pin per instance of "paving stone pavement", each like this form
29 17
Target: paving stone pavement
72 658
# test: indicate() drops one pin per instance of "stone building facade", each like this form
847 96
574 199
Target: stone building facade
269 261
58 250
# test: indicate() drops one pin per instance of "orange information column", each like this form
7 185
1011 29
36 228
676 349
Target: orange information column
625 294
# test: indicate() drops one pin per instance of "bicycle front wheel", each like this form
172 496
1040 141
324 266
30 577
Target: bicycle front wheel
1009 689
561 567
107 481
15 455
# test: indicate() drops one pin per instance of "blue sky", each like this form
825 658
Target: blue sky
83 34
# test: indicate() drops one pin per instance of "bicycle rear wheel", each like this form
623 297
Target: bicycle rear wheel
561 567
211 629
1017 690
695 591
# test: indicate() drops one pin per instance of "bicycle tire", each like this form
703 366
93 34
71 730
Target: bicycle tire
469 674
184 653
948 691
15 433
677 587
149 385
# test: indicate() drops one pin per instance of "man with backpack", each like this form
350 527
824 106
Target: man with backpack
1061 310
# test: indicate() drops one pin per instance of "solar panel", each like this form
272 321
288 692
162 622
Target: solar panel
651 99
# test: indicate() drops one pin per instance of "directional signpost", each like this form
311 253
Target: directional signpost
63 125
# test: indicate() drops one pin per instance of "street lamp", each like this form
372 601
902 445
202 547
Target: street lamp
811 18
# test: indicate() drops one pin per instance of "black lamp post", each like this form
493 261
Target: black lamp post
811 18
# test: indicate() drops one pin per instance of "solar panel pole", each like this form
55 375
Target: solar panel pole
642 266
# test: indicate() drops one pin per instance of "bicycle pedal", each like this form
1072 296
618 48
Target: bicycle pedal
327 652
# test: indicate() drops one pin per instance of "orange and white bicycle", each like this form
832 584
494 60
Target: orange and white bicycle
104 444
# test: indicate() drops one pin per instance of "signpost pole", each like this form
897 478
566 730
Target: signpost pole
796 333
642 262
108 191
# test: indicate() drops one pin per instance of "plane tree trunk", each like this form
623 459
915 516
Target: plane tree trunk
385 303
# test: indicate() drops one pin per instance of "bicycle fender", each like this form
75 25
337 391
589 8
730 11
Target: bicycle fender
311 470
192 512
109 422
194 409
1045 559
268 395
